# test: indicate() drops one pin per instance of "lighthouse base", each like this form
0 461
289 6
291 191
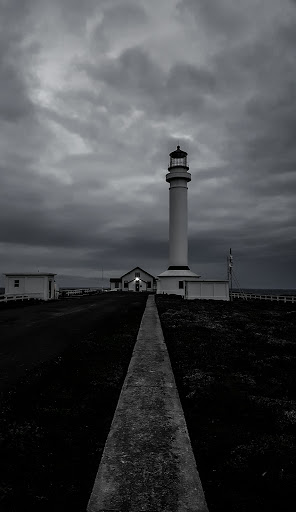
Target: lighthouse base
173 281
188 285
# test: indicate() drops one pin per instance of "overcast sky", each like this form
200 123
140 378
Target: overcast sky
93 97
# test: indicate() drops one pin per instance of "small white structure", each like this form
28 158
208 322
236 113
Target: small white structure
136 280
207 289
179 279
175 281
31 286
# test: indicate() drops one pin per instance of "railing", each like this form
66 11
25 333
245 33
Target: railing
277 298
27 296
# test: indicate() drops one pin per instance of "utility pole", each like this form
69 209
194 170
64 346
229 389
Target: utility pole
102 278
230 260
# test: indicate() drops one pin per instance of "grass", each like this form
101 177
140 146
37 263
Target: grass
234 365
54 423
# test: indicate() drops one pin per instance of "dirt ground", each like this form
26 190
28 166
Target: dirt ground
63 367
235 368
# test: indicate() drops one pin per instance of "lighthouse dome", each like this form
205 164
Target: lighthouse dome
178 153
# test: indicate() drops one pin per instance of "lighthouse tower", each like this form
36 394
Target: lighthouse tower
178 177
174 279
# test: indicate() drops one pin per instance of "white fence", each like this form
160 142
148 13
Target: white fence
27 296
277 298
77 292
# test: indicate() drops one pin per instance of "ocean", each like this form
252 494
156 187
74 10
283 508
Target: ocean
268 291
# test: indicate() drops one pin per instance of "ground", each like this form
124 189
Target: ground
63 365
235 368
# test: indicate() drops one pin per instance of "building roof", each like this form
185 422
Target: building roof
29 274
136 269
178 153
178 273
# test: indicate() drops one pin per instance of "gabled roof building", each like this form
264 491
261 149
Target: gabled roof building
136 280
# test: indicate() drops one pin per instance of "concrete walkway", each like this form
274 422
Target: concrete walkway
148 464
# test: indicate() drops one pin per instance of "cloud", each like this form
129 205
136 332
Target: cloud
94 97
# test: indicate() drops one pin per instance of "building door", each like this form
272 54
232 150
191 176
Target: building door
137 286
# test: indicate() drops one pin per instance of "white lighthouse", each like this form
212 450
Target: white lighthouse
178 177
174 279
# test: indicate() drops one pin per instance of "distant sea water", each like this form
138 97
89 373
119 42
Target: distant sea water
268 291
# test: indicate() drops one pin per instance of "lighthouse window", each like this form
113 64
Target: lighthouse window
181 284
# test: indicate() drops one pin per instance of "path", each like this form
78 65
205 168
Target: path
147 464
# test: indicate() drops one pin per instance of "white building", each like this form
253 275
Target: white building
179 279
136 280
32 286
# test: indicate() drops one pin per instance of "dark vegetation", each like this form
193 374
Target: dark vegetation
235 368
55 420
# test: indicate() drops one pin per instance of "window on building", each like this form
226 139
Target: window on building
137 274
148 284
16 283
125 284
116 284
181 284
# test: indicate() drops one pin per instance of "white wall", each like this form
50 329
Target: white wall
215 290
30 285
112 286
194 289
35 284
9 286
178 238
170 285
144 278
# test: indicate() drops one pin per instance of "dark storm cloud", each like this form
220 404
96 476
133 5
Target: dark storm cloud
74 12
118 21
119 18
133 75
96 99
15 102
48 213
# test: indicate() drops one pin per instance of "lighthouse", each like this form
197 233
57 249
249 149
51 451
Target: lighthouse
173 280
178 177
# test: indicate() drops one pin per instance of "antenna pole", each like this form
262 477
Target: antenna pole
230 272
